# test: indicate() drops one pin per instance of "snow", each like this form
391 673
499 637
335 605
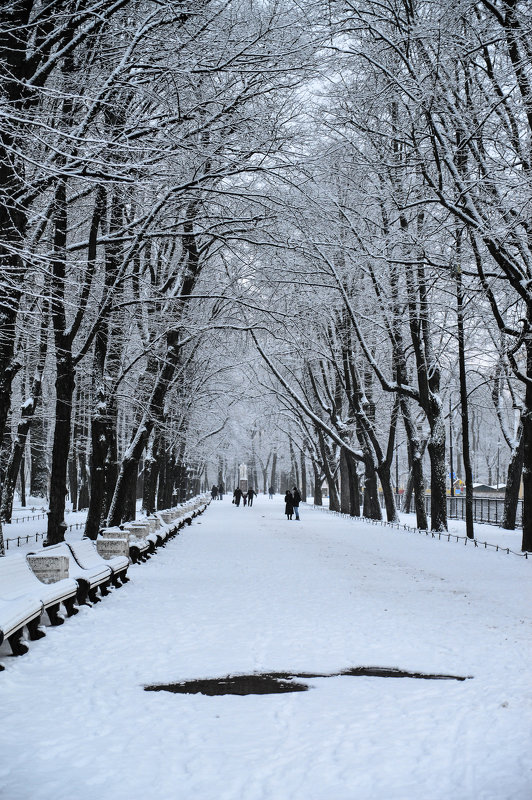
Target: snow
244 590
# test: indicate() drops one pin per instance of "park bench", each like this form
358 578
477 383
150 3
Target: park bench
51 583
23 599
16 613
142 531
88 557
138 549
89 579
170 522
162 532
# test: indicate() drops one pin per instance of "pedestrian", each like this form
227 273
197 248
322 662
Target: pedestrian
221 490
237 496
270 492
214 492
296 501
288 504
251 494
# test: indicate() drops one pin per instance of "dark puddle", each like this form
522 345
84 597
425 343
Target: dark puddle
280 682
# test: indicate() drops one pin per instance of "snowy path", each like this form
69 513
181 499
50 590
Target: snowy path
244 590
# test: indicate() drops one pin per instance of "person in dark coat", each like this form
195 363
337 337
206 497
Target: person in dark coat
288 504
270 492
221 490
214 492
237 496
296 501
251 494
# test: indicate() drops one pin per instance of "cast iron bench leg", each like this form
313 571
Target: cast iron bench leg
54 617
33 628
93 595
70 607
18 648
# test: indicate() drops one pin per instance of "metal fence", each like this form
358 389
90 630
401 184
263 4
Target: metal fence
485 509
17 541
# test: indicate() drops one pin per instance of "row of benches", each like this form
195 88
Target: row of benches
78 573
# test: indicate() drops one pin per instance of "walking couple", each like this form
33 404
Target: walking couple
292 500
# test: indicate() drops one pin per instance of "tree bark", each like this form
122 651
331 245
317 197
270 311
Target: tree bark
303 475
123 503
464 402
38 467
273 474
526 545
416 481
318 499
151 470
97 466
27 416
65 381
345 487
513 483
372 507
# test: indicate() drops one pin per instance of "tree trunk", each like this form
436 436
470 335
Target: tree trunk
123 503
334 499
64 383
372 508
97 467
38 466
273 474
28 410
416 479
73 482
387 490
513 483
162 483
151 469
318 499
84 488
72 470
12 471
23 481
438 472
526 545
111 459
63 410
171 477
294 466
464 402
303 475
345 488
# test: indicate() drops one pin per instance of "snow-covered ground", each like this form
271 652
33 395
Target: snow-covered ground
244 590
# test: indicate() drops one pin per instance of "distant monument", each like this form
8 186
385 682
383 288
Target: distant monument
243 475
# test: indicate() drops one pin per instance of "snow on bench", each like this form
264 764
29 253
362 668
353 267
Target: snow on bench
52 588
23 598
138 549
145 535
16 613
109 548
141 529
89 579
88 557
